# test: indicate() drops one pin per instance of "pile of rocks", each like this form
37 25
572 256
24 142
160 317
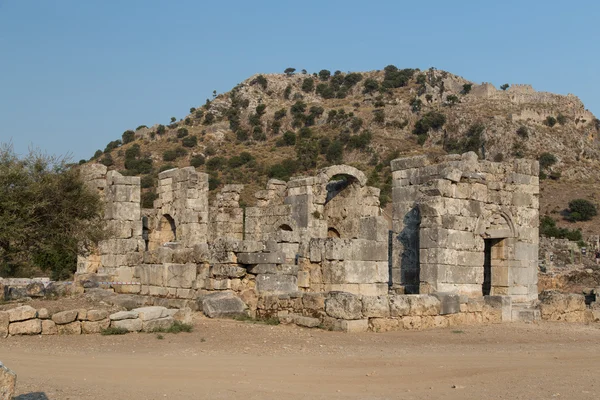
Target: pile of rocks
26 320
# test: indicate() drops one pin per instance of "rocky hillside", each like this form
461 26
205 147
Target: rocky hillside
278 125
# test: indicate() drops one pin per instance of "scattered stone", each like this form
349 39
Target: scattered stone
157 324
72 328
49 327
96 326
96 315
150 313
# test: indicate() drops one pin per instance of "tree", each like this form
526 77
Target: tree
261 81
197 161
173 119
161 129
581 210
128 136
289 71
324 74
505 86
48 214
550 121
547 160
452 99
308 85
467 88
370 86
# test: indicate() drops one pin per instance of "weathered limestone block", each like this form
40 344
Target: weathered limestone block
261 258
449 302
121 315
150 313
308 322
158 324
96 326
35 289
399 305
65 317
49 327
132 325
556 306
376 306
28 327
374 228
278 269
313 301
72 328
304 279
274 283
8 383
355 326
343 305
4 321
21 313
180 275
409 162
503 303
228 271
223 304
385 324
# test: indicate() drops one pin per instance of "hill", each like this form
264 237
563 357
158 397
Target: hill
279 125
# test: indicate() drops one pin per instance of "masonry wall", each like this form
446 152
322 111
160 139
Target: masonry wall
445 212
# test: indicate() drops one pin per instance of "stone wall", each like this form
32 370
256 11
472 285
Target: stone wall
450 215
26 320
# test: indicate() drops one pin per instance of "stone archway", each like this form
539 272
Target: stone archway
165 232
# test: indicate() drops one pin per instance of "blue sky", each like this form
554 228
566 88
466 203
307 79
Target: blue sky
75 74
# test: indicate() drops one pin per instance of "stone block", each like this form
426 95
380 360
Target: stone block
88 327
278 269
308 322
65 317
422 304
261 258
355 326
343 305
272 283
304 279
449 302
149 313
385 324
313 301
504 303
159 324
49 327
121 315
8 383
151 274
399 305
43 313
374 228
180 275
21 313
223 304
4 321
28 327
72 328
376 306
409 162
131 325
228 271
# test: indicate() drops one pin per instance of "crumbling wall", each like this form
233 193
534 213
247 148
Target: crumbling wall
225 214
450 211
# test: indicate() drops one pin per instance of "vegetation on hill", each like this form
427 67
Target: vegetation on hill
281 125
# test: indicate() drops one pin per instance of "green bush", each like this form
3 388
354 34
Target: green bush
139 167
467 88
361 141
308 85
283 170
452 99
378 116
182 132
431 120
177 327
140 127
169 155
209 118
287 92
505 86
242 135
370 86
335 152
547 160
395 78
97 154
280 114
550 121
416 104
190 141
289 138
581 210
325 91
165 167
197 161
107 160
548 228
307 153
238 161
147 200
561 119
147 181
324 74
523 132
289 71
213 182
112 145
261 81
128 136
133 152
216 163
161 129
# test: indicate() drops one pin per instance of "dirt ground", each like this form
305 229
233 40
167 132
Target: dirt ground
240 360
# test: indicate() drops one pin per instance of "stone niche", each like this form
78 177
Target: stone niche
466 226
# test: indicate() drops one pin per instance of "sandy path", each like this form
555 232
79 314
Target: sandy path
232 360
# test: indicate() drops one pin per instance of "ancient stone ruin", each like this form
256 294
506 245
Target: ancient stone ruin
318 251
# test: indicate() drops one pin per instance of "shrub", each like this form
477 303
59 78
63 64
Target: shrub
177 327
166 167
298 108
307 153
107 160
308 85
209 119
188 121
324 74
325 91
147 199
242 135
289 71
161 129
561 119
261 81
113 331
216 163
133 152
139 167
305 133
505 86
97 154
550 121
432 120
335 152
452 99
361 141
548 228
283 170
523 132
581 210
395 78
416 104
147 181
370 86
467 88
182 132
547 160
112 145
280 114
289 138
169 155
173 119
197 161
352 79
260 109
238 161
140 127
213 182
189 141
210 150
128 136
287 92
378 116
499 157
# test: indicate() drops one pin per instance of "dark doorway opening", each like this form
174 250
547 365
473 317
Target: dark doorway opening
493 263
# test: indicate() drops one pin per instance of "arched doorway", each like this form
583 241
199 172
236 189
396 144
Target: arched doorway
165 232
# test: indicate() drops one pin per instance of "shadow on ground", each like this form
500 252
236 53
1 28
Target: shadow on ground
32 396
